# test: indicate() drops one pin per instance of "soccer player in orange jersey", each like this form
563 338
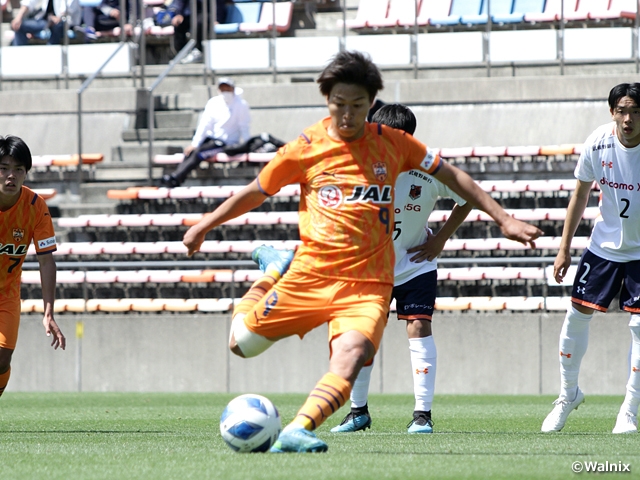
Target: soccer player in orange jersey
24 217
342 274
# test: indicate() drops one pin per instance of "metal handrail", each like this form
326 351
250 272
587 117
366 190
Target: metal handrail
150 112
80 91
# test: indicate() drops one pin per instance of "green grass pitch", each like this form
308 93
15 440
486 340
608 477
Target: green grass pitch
176 436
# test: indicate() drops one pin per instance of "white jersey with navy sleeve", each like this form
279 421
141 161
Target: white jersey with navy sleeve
616 232
416 194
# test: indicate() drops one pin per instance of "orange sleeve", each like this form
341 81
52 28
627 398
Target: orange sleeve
284 169
420 156
44 237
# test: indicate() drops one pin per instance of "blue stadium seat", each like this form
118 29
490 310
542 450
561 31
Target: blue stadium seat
238 13
520 9
459 8
498 7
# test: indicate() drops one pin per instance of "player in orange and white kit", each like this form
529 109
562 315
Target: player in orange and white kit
342 274
24 217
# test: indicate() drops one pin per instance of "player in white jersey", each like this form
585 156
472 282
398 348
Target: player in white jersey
611 261
415 279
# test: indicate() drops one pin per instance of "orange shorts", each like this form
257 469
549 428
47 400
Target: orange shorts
299 302
9 322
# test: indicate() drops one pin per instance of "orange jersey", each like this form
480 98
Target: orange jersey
27 220
346 204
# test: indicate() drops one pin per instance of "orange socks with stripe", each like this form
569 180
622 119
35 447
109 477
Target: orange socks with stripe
329 394
257 291
4 380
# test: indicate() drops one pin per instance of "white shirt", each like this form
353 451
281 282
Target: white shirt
415 198
616 232
229 123
60 7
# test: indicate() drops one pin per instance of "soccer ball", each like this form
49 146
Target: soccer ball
250 423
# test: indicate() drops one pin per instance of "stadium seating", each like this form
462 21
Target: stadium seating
66 160
237 14
369 12
433 9
552 11
519 10
223 305
283 16
498 7
290 218
618 10
459 9
400 12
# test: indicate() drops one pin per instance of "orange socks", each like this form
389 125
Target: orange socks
329 394
4 380
257 291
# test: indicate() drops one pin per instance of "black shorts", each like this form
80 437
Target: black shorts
416 299
598 281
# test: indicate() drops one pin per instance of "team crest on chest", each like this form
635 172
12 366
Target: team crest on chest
18 234
415 192
380 171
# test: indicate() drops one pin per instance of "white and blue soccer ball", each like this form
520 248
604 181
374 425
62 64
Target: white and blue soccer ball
250 423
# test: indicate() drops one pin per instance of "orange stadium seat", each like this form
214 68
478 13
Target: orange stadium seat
451 303
550 150
524 303
487 303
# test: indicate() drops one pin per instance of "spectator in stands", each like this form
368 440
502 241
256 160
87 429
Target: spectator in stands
182 25
225 122
610 265
105 17
342 273
24 217
44 19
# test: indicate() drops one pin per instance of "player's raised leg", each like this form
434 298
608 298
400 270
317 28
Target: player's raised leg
627 421
272 260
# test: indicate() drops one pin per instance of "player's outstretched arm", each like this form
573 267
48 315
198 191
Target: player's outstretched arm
244 201
461 183
48 281
575 211
435 243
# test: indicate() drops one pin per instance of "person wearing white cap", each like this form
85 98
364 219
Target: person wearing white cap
225 122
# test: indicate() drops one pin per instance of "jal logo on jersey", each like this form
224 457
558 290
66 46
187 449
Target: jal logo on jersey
18 234
415 192
380 171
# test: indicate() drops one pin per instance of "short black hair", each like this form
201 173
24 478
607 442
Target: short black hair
631 90
397 116
353 68
16 148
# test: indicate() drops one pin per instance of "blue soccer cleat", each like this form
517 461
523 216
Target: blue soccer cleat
271 258
298 440
353 422
421 423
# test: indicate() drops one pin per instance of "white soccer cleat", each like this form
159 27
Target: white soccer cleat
558 416
626 423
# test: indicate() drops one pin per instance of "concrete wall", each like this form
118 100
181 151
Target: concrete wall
478 353
455 112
